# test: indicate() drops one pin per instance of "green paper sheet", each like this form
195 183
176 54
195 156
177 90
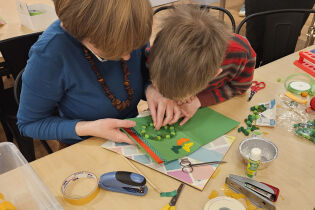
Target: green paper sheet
205 126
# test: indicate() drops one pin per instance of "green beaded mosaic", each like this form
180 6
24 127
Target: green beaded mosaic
166 132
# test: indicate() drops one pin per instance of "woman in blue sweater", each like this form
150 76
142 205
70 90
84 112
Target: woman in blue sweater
90 66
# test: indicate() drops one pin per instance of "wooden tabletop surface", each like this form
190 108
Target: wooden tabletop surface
293 172
13 25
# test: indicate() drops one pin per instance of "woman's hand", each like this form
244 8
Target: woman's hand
189 109
105 128
159 106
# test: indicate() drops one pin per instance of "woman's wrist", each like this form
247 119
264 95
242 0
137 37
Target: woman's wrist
84 128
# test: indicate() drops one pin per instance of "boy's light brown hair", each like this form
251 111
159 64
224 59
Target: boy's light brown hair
187 52
115 27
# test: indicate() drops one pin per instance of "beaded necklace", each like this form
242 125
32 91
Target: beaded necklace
118 104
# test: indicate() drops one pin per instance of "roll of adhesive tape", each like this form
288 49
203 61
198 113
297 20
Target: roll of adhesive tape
300 82
300 86
225 203
80 188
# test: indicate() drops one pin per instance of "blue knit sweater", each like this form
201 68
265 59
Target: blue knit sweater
58 75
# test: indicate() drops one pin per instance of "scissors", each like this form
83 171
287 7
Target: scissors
172 203
256 86
187 167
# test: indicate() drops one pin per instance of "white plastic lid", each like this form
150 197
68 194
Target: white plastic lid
255 154
223 202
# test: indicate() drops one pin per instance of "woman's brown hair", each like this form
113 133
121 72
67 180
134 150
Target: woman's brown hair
114 27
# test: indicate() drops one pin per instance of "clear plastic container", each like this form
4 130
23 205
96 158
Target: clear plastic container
20 184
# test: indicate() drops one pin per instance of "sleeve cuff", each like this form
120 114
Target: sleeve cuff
67 129
206 99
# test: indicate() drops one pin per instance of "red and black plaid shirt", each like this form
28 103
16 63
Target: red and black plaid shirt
237 75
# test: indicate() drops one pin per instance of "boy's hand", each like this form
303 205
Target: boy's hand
159 106
187 100
189 109
105 128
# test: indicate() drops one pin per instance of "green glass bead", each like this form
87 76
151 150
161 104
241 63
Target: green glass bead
173 133
168 136
165 127
151 124
146 136
246 133
239 130
172 127
252 108
142 132
143 126
257 132
255 112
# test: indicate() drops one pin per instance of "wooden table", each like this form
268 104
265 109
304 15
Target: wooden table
13 25
293 171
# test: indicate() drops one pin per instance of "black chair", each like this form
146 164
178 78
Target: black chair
207 7
15 53
278 33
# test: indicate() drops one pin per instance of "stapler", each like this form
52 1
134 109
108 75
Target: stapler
260 194
124 182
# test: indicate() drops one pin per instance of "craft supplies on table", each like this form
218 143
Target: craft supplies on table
253 162
300 83
306 130
306 62
223 202
267 117
124 182
172 203
268 148
214 150
260 194
148 180
290 112
80 188
187 167
2 21
296 98
19 183
6 205
256 86
168 144
36 17
262 115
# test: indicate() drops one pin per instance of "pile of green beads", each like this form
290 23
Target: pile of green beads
306 130
250 119
148 131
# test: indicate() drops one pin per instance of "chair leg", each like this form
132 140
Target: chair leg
6 130
47 147
25 144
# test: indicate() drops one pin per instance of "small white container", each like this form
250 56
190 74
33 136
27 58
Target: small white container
37 22
19 183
